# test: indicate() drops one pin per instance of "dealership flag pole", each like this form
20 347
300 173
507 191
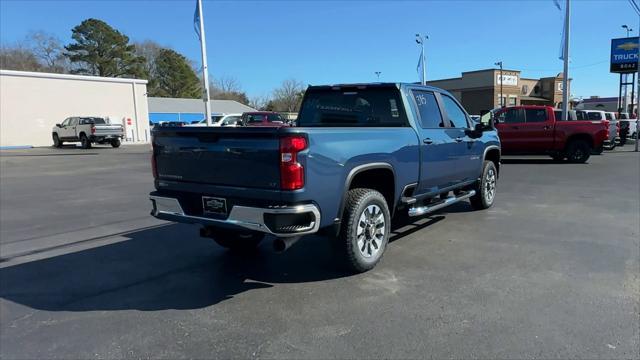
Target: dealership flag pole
198 23
565 57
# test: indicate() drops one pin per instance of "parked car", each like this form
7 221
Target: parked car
361 154
230 120
173 123
87 130
609 119
534 130
263 118
628 128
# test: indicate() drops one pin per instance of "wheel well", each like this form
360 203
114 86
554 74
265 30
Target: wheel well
585 137
381 180
81 133
493 155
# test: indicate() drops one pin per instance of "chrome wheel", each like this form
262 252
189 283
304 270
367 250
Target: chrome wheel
490 186
371 231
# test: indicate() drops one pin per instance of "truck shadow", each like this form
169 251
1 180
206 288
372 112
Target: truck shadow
169 267
535 161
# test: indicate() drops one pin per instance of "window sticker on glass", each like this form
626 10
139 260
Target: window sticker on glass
394 108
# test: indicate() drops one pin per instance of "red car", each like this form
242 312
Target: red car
535 130
263 118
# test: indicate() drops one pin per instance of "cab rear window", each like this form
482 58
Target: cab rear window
352 107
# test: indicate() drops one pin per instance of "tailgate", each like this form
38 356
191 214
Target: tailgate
239 157
108 130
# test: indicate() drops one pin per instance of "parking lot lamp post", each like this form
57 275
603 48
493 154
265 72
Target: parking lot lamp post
628 29
378 74
636 8
501 81
420 40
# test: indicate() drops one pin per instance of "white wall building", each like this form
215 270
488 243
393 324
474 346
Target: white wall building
31 103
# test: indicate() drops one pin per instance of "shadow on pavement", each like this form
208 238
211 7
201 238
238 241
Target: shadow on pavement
169 267
534 161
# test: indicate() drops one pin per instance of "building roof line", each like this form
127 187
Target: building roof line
34 74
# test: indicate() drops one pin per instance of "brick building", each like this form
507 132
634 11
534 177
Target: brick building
479 91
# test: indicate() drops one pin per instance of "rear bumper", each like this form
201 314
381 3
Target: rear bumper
102 137
281 221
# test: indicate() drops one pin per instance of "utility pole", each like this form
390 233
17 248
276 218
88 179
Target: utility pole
565 56
638 87
378 74
501 81
420 40
205 68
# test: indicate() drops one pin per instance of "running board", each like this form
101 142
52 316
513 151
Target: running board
421 210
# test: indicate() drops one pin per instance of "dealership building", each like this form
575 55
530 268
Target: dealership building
479 91
32 103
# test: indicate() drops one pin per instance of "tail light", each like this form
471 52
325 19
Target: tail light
154 166
618 128
291 172
93 129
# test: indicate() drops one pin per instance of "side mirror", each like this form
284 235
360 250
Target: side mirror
476 132
58 125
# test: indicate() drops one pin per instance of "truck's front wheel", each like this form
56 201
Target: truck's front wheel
365 230
486 187
237 241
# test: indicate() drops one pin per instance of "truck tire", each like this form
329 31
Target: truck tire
364 233
578 151
597 151
115 143
236 241
485 187
85 142
558 157
56 141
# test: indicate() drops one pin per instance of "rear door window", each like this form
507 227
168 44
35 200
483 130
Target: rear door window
607 116
456 115
74 121
428 109
535 115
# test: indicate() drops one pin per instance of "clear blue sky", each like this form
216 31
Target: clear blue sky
261 43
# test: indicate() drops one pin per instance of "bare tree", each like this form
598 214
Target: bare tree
259 102
49 51
228 88
288 96
18 57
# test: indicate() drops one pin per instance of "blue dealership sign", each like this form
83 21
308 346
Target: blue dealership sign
624 55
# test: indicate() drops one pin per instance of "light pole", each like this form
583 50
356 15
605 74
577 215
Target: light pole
420 41
636 8
501 81
378 74
628 29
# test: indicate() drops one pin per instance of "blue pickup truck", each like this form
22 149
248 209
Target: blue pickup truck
359 155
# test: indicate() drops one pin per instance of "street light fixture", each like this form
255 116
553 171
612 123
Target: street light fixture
628 29
501 81
378 74
420 41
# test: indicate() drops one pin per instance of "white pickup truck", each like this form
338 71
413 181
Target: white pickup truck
87 130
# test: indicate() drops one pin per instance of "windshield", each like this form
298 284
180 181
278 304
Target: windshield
594 116
352 107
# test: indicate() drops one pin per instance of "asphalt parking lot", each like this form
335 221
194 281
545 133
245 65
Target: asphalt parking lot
551 271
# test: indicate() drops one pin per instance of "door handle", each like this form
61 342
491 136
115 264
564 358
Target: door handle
546 127
427 141
458 139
